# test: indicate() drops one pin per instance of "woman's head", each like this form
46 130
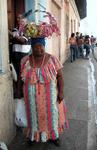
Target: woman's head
18 18
72 34
21 20
38 46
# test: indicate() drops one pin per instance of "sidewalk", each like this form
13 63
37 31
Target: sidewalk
79 99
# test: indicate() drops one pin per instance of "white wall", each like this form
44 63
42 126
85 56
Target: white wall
7 127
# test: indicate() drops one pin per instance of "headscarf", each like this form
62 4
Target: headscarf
40 40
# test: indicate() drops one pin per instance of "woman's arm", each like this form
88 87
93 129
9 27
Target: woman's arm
60 85
20 39
17 38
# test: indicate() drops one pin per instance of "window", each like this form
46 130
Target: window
40 5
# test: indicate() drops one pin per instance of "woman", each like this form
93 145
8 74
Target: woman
43 94
87 46
73 47
21 44
20 48
80 44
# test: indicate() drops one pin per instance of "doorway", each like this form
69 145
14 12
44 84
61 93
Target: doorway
14 7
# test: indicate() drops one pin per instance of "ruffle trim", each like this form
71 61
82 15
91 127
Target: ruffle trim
45 136
41 75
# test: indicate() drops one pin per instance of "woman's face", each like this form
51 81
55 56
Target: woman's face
38 50
23 21
19 18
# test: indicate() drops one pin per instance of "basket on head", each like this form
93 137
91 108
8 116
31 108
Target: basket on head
42 29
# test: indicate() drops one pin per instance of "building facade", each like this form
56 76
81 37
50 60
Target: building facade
68 19
7 128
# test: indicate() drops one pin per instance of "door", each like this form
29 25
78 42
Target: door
10 12
56 39
14 7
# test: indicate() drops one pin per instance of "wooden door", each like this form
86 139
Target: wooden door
19 7
56 39
14 7
10 11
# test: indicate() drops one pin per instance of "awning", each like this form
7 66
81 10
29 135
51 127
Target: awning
82 8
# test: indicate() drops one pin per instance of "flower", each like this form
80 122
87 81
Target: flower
31 30
43 29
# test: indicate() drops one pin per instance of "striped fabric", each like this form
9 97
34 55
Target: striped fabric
46 118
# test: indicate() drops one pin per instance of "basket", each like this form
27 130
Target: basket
42 29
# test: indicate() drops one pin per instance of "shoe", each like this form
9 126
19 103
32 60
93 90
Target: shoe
87 58
30 143
56 142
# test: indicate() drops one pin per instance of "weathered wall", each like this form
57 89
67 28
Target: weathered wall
74 17
64 11
56 45
7 127
72 22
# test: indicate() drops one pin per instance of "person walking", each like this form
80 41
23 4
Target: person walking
92 42
87 46
80 44
73 47
43 84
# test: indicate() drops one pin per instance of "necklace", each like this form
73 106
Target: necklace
38 80
42 62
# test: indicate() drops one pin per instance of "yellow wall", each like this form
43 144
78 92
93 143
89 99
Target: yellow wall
7 126
74 16
60 9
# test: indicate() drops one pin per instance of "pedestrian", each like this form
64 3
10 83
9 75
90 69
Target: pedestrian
41 73
80 44
92 41
77 39
87 46
73 47
21 47
21 44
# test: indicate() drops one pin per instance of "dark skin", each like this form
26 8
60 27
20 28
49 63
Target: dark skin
38 54
60 85
19 39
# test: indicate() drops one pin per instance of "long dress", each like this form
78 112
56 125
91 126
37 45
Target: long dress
45 116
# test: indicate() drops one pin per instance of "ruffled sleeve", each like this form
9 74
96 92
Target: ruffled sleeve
56 63
24 67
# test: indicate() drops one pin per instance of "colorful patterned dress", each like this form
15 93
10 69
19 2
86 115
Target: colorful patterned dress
46 118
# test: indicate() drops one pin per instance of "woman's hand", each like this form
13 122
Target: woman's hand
60 86
60 98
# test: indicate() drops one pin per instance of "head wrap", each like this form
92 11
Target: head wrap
40 40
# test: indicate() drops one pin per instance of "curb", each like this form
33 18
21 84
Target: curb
91 137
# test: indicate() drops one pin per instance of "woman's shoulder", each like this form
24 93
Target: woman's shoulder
47 57
54 59
50 57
